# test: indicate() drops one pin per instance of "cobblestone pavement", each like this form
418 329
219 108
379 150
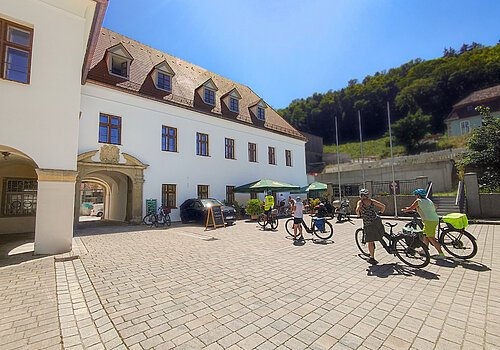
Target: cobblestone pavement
246 289
243 288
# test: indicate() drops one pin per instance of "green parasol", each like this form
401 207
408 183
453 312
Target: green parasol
265 184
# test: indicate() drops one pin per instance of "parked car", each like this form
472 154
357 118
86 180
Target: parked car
195 209
97 210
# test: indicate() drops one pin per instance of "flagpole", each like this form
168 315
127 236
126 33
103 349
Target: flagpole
362 156
338 157
392 162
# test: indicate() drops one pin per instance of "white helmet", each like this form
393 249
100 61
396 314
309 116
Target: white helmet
364 192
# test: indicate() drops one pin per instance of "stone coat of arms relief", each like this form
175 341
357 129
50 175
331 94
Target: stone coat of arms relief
109 154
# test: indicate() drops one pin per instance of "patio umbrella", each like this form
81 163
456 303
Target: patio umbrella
317 186
265 184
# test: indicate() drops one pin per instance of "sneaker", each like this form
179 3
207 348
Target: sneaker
372 261
441 256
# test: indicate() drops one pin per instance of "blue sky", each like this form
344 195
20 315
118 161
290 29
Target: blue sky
287 49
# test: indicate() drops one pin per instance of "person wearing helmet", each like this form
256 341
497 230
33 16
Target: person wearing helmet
427 211
366 208
298 216
268 203
321 211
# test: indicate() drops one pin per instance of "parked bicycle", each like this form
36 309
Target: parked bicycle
272 220
283 210
407 246
457 242
342 210
319 227
160 218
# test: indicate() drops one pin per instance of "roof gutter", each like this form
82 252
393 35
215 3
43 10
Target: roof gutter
95 29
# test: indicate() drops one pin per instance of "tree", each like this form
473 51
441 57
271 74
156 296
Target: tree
483 148
411 130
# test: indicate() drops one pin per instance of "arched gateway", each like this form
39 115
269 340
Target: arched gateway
122 176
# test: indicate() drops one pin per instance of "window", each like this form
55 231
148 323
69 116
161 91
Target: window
261 113
164 81
202 191
465 127
288 157
234 104
201 144
15 46
169 195
168 139
272 155
470 108
209 96
119 66
253 195
252 152
230 149
20 197
110 129
229 195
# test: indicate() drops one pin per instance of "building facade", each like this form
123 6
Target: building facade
40 92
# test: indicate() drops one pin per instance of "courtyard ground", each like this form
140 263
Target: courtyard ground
244 288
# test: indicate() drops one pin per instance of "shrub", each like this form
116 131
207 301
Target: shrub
254 207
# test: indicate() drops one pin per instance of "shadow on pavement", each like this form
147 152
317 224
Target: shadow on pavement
17 248
394 269
472 265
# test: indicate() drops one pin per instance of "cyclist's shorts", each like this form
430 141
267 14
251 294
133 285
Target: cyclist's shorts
430 228
297 220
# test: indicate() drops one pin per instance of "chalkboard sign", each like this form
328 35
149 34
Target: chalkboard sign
215 217
150 206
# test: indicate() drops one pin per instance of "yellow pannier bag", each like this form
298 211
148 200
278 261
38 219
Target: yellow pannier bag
457 220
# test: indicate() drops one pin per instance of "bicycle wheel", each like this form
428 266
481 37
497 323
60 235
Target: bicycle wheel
359 235
412 251
274 223
262 220
460 244
167 219
289 226
148 220
324 234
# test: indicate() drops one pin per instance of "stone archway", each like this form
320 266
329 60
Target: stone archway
114 168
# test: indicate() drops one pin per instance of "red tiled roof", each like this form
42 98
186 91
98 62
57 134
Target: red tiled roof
480 95
188 77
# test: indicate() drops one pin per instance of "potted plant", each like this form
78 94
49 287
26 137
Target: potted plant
254 208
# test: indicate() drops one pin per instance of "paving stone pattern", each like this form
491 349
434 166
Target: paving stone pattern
250 289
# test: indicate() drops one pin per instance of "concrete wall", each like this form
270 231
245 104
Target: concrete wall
142 120
490 205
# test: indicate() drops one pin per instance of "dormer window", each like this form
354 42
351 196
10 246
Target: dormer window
162 76
119 60
234 105
163 81
209 96
261 113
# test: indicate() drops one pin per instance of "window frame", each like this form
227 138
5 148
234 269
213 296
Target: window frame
230 148
252 152
271 154
200 143
230 194
464 124
261 110
110 65
23 193
165 138
4 44
167 193
201 191
109 127
237 102
288 158
157 83
206 89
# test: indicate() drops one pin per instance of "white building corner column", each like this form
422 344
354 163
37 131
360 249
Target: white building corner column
55 211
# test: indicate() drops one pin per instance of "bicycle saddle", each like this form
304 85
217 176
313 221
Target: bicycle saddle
390 225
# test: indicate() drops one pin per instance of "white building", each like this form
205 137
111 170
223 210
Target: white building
143 125
45 46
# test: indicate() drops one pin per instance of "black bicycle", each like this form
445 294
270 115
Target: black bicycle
319 227
407 246
457 242
162 218
272 219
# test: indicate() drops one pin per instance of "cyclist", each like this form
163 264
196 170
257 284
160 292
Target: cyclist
430 218
322 212
372 224
268 204
298 216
